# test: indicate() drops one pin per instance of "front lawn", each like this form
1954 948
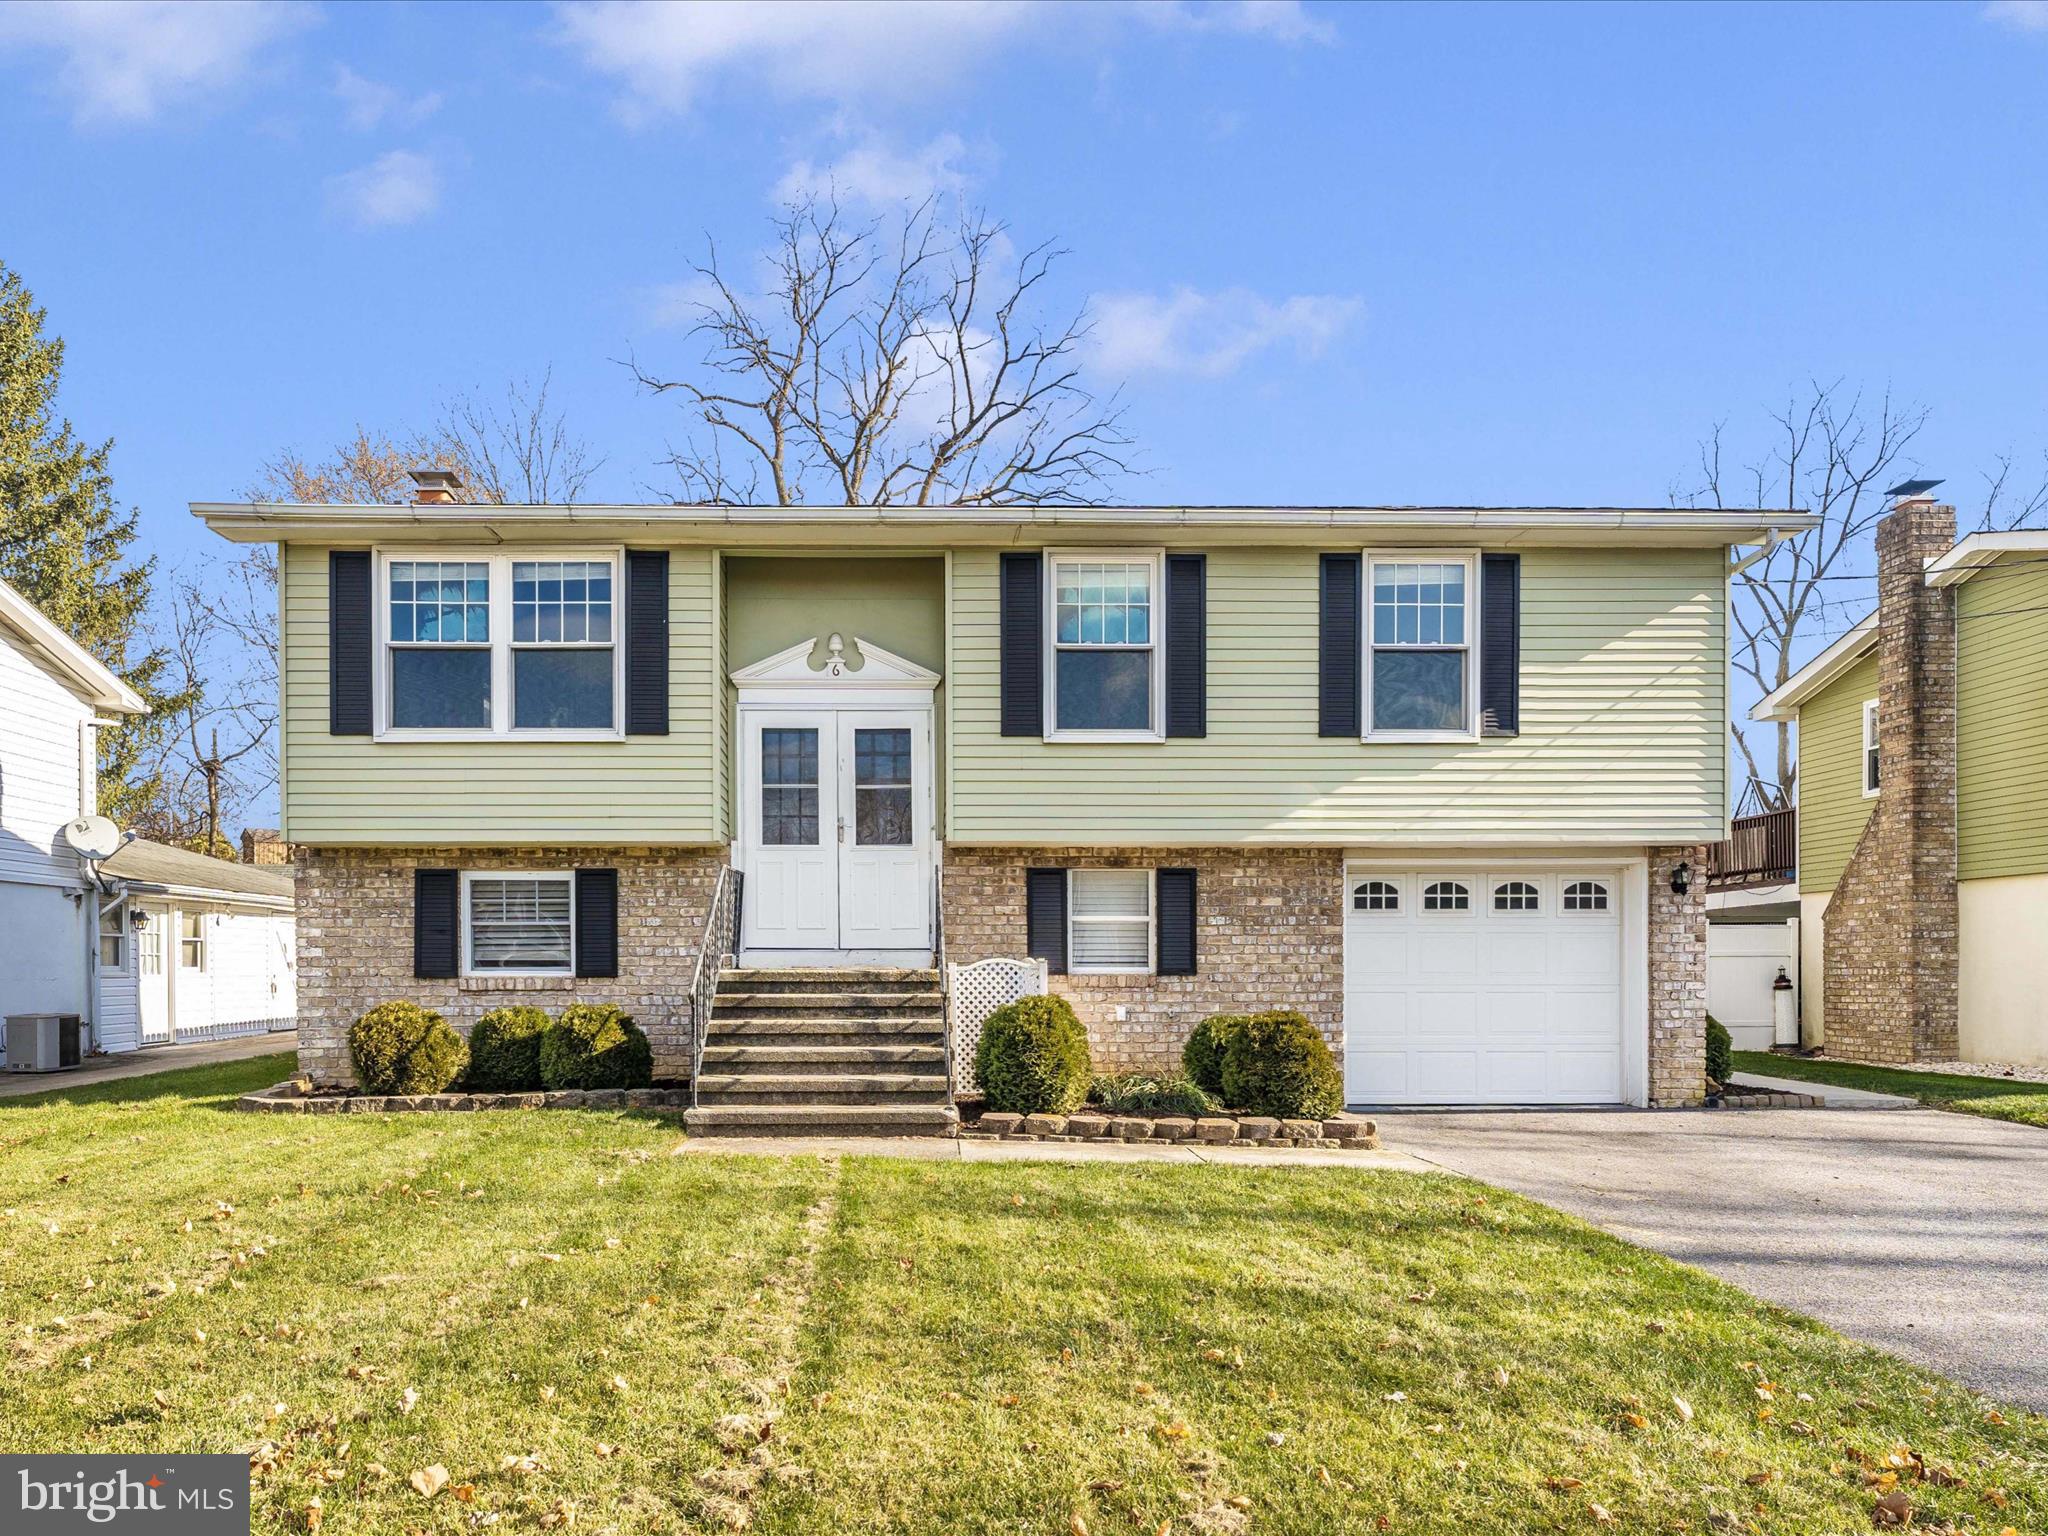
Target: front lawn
1997 1097
553 1324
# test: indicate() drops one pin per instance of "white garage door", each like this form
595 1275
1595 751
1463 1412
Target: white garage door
1468 987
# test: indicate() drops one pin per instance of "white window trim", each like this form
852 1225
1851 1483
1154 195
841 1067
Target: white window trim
1150 967
1156 558
1469 558
123 936
1607 897
1494 883
1869 745
1473 889
203 938
462 918
499 561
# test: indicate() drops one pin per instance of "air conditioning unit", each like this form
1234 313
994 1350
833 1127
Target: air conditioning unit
42 1042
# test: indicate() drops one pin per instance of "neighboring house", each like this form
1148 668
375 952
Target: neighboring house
54 696
1439 778
1923 826
194 948
157 944
1753 928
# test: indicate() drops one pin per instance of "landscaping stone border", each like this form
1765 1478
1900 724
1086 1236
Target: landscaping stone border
1764 1098
1209 1130
295 1097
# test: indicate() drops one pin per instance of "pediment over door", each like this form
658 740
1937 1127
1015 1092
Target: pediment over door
856 667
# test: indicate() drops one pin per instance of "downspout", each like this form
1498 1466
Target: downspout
89 805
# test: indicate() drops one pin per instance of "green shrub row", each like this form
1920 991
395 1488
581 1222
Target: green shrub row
1033 1059
401 1047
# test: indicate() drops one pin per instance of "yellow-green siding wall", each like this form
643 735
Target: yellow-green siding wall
1622 740
2002 721
643 789
1832 805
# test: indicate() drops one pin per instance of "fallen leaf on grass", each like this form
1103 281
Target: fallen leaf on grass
428 1481
605 1451
1500 1376
1562 1484
466 1492
1895 1508
1600 1514
408 1400
1393 1397
1758 1479
1077 1525
1106 1485
1683 1409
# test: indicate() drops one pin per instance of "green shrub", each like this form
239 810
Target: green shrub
1136 1093
1202 1057
1277 1064
1033 1058
595 1045
504 1051
404 1048
1720 1051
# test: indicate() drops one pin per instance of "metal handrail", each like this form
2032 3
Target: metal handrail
720 943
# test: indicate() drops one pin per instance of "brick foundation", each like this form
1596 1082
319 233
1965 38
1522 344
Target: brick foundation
1889 962
355 944
1269 934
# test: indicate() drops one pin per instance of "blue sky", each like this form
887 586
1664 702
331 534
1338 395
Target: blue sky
1444 254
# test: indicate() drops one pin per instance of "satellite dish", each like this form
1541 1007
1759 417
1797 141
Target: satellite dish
93 837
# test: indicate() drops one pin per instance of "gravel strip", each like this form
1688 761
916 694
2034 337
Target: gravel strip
1998 1069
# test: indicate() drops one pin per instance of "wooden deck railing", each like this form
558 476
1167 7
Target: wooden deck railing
1759 850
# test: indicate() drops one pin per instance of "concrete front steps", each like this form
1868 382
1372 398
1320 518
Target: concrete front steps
848 1051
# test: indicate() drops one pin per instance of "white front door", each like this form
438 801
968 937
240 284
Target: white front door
836 829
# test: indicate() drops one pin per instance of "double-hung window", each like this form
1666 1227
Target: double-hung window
1421 669
500 645
518 924
114 939
1109 920
192 941
1103 656
1869 747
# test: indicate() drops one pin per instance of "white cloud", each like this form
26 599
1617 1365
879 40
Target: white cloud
1208 335
851 51
123 61
394 188
368 103
2021 15
680 305
1285 21
874 173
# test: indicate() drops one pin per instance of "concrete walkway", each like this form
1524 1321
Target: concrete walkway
968 1150
1919 1230
146 1063
1831 1095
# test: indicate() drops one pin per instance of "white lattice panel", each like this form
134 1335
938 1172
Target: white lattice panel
973 992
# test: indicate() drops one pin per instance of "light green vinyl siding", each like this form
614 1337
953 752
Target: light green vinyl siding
1832 805
2002 721
642 789
1623 735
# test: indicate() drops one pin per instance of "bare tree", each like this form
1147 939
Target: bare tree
220 755
2006 505
890 366
522 451
1833 457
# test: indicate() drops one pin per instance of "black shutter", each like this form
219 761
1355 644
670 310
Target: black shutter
1187 645
434 947
1045 918
349 642
1175 900
1500 645
597 922
1023 641
646 643
1337 692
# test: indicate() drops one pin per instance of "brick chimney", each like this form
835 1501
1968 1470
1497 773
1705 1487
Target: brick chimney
1889 972
262 845
435 487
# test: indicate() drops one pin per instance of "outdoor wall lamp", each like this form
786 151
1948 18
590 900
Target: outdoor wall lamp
1681 878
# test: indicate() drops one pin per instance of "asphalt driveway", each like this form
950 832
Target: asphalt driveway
1918 1230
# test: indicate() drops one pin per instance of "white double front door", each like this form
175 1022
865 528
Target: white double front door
836 829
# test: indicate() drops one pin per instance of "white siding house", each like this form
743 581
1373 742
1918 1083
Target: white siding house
156 944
